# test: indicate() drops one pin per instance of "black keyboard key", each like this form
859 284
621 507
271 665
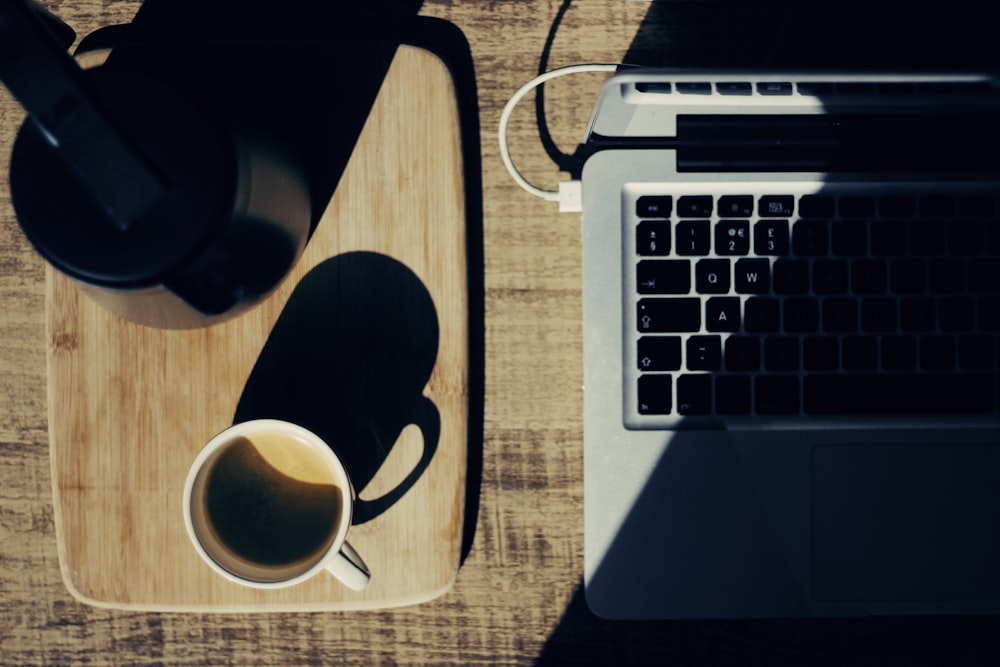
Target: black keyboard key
732 395
988 308
659 353
899 353
791 276
817 206
897 206
660 206
752 276
669 315
694 206
907 276
859 353
937 206
711 276
774 88
946 276
849 238
830 276
840 315
984 275
888 238
770 237
928 237
655 394
694 87
742 353
776 206
734 88
878 315
661 87
776 394
869 276
736 206
652 238
906 393
800 315
820 353
663 276
694 394
761 315
975 352
978 206
993 238
781 353
693 237
732 237
722 314
957 314
966 238
856 207
937 353
810 238
917 314
704 353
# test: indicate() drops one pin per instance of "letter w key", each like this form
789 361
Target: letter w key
752 276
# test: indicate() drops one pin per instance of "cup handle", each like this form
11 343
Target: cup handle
348 566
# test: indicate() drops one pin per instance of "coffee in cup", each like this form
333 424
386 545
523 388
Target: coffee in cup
268 504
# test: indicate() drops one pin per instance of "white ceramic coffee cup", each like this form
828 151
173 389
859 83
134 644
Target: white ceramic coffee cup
268 504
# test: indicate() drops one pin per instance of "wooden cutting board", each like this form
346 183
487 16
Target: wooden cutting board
129 406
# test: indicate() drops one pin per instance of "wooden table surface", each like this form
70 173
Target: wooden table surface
518 597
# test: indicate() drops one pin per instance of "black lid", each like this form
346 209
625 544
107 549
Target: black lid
74 228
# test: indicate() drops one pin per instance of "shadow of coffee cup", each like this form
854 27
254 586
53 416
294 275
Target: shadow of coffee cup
348 359
381 438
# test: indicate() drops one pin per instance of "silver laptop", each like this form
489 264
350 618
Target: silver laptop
791 345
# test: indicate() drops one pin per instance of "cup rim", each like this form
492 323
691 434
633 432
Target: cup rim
250 426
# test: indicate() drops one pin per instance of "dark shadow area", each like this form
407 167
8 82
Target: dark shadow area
928 641
888 35
304 77
305 74
348 359
843 35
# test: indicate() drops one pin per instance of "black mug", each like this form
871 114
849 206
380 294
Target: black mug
167 211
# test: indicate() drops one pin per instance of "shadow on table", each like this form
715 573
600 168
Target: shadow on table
348 359
584 639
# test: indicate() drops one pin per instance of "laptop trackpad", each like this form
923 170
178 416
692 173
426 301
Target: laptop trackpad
906 522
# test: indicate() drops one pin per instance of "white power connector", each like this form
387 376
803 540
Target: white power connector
570 196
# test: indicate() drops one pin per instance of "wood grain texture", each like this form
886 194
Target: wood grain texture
130 406
516 600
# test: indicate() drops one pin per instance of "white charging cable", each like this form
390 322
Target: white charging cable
569 194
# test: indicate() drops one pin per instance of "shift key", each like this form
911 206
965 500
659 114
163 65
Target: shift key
669 315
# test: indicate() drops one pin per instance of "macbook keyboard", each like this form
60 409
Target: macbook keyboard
838 302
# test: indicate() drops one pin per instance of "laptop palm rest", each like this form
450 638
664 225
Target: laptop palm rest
906 522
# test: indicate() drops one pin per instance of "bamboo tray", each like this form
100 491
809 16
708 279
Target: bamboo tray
129 407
